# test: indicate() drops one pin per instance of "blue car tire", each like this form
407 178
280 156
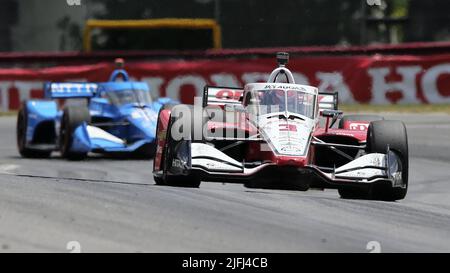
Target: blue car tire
73 117
21 134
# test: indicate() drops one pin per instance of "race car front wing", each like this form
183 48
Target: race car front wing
213 165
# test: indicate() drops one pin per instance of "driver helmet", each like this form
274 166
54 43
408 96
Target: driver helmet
274 97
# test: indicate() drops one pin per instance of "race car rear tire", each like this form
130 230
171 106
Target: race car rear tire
73 117
190 181
381 135
358 118
21 129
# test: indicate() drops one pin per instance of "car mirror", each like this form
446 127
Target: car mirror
331 113
101 100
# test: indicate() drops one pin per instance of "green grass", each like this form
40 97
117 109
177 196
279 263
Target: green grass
404 108
8 114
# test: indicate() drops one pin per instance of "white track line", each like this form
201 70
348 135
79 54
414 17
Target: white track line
8 168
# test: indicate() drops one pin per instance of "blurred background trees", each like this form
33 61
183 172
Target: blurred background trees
44 25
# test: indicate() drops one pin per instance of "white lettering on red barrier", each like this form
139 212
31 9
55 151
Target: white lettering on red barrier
424 81
407 86
430 83
331 82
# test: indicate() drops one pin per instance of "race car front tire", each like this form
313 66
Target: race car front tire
189 180
21 131
159 180
381 135
73 117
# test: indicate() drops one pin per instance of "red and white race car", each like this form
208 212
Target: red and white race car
277 135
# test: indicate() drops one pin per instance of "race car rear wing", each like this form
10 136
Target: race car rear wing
215 95
328 101
53 90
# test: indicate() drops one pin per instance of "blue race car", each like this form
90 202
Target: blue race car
110 117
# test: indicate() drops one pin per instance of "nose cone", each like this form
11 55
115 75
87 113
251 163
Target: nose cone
288 138
291 161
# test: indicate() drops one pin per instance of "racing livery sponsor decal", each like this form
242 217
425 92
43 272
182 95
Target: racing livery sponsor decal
358 126
287 138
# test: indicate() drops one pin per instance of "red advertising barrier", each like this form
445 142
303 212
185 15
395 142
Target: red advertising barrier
373 79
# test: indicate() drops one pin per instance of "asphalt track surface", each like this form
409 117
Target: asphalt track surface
110 205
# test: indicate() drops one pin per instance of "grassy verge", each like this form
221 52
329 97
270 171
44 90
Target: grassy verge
406 108
8 114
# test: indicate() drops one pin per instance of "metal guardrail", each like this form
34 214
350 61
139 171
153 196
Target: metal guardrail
179 23
45 59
